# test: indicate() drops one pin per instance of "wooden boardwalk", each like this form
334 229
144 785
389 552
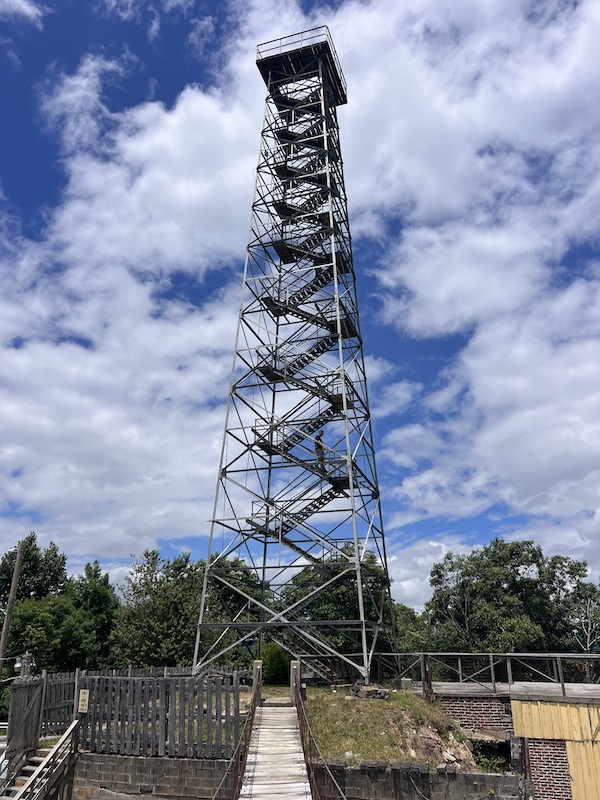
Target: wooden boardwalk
275 767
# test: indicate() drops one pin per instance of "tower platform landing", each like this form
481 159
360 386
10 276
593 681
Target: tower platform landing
299 55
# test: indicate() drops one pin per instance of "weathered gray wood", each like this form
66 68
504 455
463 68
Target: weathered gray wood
122 720
172 717
181 718
104 716
227 752
236 704
130 717
275 766
113 718
218 719
201 718
209 720
162 717
175 716
137 719
94 721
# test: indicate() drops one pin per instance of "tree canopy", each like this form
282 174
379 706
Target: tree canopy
71 629
506 597
43 572
156 623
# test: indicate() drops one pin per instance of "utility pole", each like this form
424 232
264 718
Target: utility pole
11 602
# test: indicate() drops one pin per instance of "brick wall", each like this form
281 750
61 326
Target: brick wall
549 769
97 775
492 713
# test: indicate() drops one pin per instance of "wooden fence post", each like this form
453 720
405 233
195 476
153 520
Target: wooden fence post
42 702
426 676
257 678
294 679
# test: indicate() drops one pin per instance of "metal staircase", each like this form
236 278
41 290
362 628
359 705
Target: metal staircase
301 526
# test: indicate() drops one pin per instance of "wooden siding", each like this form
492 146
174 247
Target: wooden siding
578 725
572 722
584 764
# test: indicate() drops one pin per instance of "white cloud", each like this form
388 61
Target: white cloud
27 10
154 25
128 10
124 9
474 125
409 568
471 154
393 398
159 189
200 37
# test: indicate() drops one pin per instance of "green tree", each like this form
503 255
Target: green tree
506 597
156 625
69 630
276 664
93 594
43 572
339 600
585 615
59 634
413 633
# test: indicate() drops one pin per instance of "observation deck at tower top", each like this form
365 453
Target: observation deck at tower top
297 54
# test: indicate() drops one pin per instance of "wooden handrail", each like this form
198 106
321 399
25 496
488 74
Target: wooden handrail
35 788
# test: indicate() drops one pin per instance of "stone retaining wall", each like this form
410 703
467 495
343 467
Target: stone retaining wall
94 775
376 780
104 777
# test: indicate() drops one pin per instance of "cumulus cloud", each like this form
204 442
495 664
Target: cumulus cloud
480 176
159 188
472 161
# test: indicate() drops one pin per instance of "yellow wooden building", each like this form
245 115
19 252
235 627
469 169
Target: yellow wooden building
577 724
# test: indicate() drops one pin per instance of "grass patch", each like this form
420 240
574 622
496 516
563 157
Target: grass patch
275 692
355 730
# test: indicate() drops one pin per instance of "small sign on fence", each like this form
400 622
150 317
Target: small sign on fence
84 701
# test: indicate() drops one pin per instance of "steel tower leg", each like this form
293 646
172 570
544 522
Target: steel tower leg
297 527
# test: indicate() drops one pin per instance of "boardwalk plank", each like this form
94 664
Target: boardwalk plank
275 766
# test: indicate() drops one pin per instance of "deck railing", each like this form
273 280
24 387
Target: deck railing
491 671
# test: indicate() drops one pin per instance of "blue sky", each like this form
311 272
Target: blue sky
128 140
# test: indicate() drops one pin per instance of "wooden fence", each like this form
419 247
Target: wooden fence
24 717
176 717
130 714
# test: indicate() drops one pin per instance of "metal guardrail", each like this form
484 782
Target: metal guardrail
303 39
323 785
52 768
231 783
